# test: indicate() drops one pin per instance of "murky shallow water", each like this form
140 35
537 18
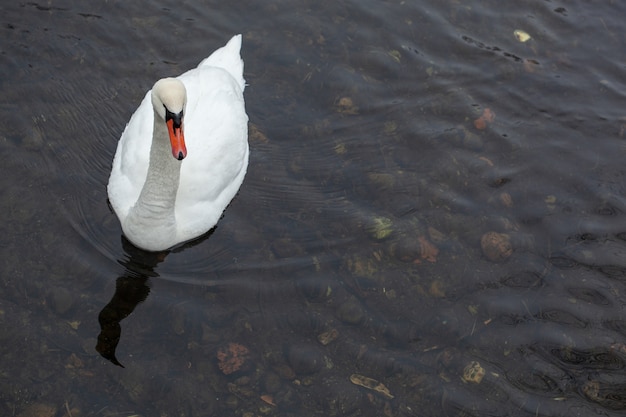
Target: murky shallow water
354 245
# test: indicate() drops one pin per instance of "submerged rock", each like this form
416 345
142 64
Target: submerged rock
351 312
304 359
496 246
61 299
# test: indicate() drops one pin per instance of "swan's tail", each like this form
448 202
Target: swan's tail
228 58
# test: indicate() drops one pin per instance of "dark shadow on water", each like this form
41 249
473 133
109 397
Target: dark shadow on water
131 289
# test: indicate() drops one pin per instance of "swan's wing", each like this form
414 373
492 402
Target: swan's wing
216 135
130 164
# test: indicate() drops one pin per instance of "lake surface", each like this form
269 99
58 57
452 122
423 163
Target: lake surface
433 222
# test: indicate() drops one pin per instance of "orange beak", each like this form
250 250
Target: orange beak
177 139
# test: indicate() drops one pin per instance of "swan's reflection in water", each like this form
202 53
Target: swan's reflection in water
131 289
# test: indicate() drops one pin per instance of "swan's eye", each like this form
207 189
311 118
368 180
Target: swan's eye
177 119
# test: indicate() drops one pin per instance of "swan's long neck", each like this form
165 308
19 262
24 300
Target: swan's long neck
154 209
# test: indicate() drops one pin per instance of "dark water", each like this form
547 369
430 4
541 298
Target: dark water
354 245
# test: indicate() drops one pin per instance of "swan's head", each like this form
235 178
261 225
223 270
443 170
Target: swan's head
169 99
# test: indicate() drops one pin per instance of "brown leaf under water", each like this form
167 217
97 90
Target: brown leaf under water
485 119
255 135
232 357
268 399
428 251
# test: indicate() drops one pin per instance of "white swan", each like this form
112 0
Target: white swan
183 154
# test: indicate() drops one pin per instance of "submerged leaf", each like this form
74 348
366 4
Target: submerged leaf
372 384
521 35
473 372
